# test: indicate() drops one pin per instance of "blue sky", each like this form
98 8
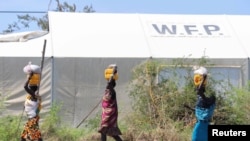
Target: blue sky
228 7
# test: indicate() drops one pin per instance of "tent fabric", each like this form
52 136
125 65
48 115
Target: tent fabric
12 78
78 51
21 37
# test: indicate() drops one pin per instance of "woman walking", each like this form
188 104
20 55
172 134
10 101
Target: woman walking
32 107
109 126
204 107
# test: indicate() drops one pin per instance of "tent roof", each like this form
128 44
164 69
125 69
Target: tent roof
24 44
149 35
97 35
22 36
138 36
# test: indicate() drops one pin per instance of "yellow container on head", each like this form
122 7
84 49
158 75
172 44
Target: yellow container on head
199 73
198 78
109 72
35 79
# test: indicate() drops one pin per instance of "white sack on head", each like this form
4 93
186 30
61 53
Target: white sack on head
200 70
31 68
112 66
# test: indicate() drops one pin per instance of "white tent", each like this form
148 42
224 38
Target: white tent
81 45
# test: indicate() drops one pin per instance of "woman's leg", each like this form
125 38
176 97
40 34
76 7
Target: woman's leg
103 137
117 138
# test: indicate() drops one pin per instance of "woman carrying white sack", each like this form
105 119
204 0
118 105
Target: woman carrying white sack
32 105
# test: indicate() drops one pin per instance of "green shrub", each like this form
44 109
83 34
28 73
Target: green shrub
160 104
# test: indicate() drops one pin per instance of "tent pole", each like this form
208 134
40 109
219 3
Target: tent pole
89 113
42 62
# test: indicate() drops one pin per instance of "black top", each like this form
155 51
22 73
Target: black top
31 90
111 85
203 100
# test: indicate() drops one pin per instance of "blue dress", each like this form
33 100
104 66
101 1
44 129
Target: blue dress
203 115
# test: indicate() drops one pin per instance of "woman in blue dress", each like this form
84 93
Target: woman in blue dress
204 108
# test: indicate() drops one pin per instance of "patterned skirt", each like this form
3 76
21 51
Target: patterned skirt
31 129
